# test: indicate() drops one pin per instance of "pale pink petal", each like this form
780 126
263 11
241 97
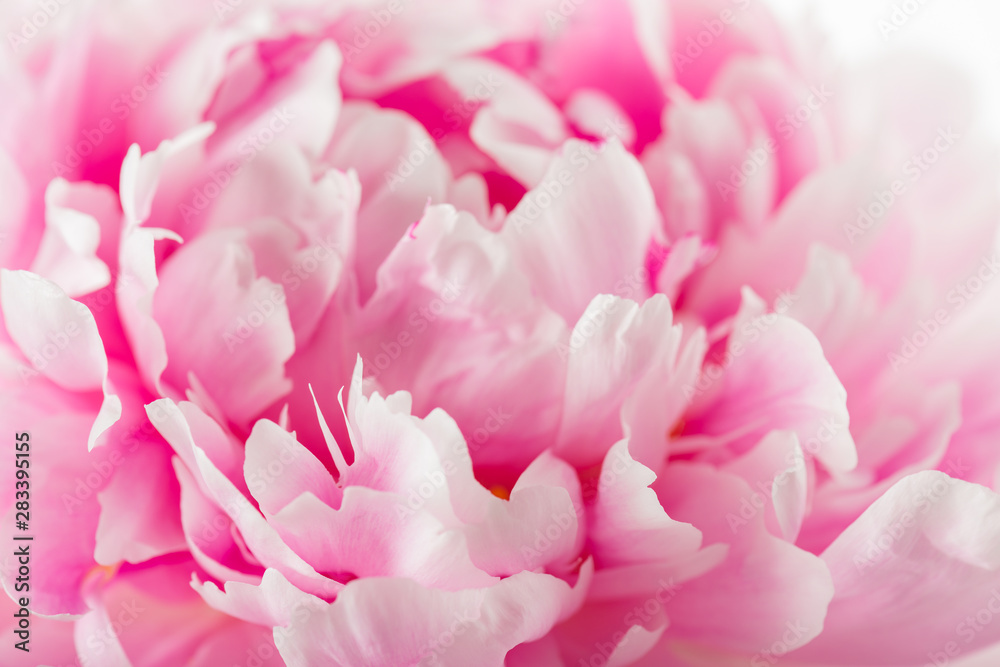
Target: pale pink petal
185 426
911 575
767 591
140 176
278 469
396 621
398 175
378 534
237 352
211 534
273 602
63 516
596 115
772 376
621 352
473 325
301 106
60 338
539 526
139 509
516 124
260 538
627 525
777 469
68 252
560 232
135 607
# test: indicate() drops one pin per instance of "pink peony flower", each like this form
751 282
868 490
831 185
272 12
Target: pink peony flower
523 333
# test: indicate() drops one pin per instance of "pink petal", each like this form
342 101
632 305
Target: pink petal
478 626
278 469
60 337
562 226
911 575
237 352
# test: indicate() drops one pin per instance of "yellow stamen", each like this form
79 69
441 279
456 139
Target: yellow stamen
105 572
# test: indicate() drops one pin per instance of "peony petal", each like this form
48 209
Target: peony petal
60 338
278 469
68 253
911 575
377 534
627 523
237 352
273 602
766 592
772 361
364 625
620 352
539 526
560 234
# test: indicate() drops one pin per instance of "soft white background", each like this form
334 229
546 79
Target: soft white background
965 31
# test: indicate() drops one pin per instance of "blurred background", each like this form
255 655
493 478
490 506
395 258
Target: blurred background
965 31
